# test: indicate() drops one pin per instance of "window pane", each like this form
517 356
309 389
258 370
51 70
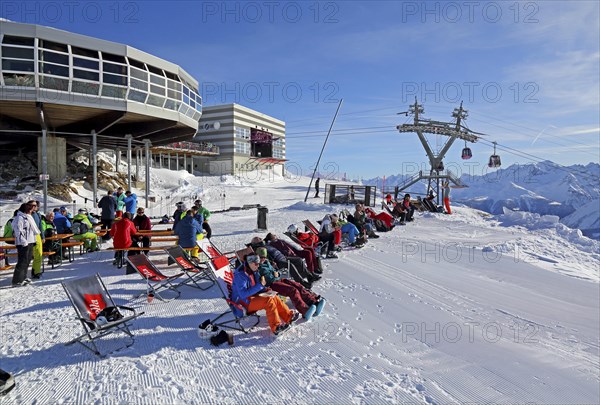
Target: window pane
157 90
137 96
155 100
186 91
174 94
84 52
115 79
54 69
86 63
85 74
22 53
54 83
113 68
9 39
85 88
54 57
11 79
19 65
113 58
138 84
138 74
170 104
55 46
157 80
113 92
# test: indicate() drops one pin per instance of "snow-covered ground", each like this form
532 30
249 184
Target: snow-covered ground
467 308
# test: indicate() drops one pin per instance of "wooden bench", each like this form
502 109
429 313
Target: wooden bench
44 254
69 246
173 239
7 267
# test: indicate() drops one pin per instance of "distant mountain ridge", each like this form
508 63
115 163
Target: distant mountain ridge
570 192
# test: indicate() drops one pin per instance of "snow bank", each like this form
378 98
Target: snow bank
529 220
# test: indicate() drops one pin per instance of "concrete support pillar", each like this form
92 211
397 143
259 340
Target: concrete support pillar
169 158
177 161
128 137
117 159
94 163
148 158
56 157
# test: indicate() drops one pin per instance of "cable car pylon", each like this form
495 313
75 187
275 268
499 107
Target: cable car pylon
453 130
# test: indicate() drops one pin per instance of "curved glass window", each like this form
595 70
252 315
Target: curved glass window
53 69
139 74
157 80
86 63
54 83
20 53
138 96
12 40
114 68
11 79
18 65
86 74
138 84
54 57
114 92
157 90
156 100
85 88
115 79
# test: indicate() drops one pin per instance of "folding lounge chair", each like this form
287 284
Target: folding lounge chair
155 280
309 225
223 274
89 297
192 270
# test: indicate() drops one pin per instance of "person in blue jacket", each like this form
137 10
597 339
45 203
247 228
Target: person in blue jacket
61 222
188 230
130 201
247 290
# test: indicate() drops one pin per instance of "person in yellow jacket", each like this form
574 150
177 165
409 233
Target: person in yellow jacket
83 230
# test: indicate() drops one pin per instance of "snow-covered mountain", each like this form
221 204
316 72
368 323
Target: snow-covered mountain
572 193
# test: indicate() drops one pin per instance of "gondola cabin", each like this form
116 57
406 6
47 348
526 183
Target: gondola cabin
494 161
466 153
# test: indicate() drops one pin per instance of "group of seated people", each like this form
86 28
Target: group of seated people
262 271
402 210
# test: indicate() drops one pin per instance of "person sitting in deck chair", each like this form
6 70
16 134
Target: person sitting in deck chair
290 250
296 265
188 230
409 208
306 302
247 290
363 222
326 234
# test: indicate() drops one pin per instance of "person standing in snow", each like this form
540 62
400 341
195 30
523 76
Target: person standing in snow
130 201
317 187
25 232
446 196
108 204
120 196
205 215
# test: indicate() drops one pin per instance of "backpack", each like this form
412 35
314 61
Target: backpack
79 227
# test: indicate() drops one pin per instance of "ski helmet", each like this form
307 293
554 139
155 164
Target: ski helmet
292 229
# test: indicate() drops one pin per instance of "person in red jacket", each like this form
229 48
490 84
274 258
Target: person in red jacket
123 233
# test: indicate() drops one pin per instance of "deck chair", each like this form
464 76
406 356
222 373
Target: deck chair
310 227
155 280
223 274
194 271
89 297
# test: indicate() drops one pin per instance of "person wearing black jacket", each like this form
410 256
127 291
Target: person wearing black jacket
108 204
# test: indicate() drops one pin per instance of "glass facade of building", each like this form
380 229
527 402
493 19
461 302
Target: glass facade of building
38 63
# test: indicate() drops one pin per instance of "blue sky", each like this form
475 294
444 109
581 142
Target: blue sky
528 72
